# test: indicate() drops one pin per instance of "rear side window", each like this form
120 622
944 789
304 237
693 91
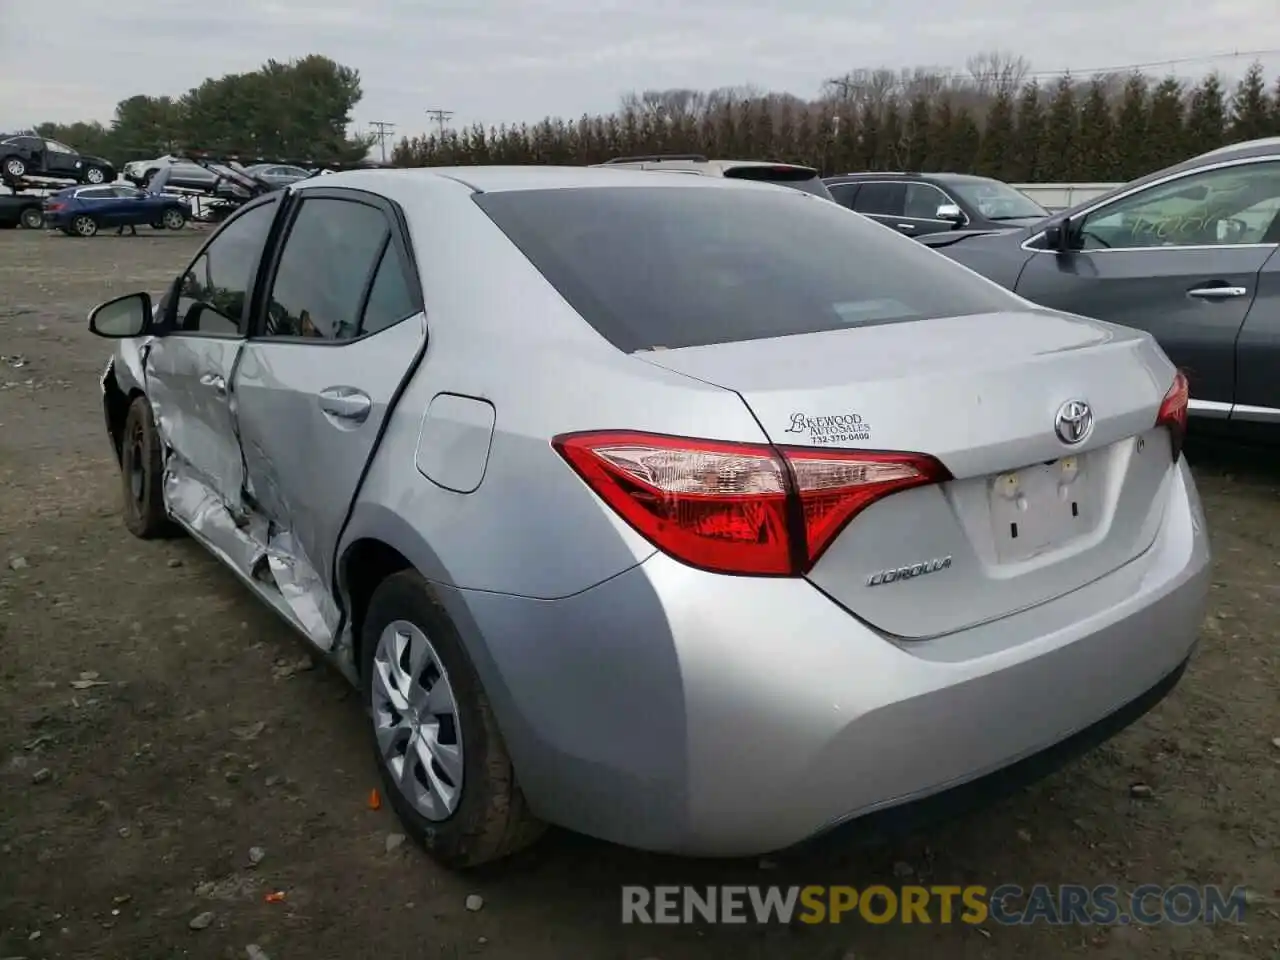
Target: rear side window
843 193
329 256
680 266
882 199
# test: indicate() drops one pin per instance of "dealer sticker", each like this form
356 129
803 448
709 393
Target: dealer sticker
831 428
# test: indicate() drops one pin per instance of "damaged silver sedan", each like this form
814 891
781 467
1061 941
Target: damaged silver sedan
697 515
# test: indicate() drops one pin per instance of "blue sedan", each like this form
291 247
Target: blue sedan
81 211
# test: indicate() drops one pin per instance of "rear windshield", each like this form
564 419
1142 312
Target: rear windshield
669 267
798 178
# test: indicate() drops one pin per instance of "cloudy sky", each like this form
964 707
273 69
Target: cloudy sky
505 60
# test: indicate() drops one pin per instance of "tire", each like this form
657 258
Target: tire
14 167
490 819
84 226
142 475
174 219
95 175
32 218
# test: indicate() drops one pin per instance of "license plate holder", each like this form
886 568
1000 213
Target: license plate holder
1042 508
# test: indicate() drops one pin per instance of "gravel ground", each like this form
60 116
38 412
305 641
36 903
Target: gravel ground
159 724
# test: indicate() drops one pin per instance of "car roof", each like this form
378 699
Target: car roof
913 175
502 179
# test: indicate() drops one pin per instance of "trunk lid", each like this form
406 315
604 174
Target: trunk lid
1027 517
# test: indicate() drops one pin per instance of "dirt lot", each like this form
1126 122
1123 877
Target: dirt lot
129 806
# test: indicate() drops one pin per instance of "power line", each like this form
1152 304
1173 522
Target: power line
385 130
847 82
1176 62
440 116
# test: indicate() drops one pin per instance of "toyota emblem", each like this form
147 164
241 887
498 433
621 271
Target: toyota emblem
1074 422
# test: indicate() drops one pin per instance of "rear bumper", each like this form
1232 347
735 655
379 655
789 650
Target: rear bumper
677 710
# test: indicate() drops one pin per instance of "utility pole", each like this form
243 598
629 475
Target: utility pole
440 116
385 130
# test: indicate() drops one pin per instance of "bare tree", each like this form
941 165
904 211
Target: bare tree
670 104
995 71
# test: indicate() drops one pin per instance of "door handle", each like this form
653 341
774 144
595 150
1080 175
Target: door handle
1217 293
346 403
215 383
906 226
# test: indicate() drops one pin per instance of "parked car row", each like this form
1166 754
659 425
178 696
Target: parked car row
187 174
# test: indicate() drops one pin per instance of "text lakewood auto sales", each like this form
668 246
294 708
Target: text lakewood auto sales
1005 905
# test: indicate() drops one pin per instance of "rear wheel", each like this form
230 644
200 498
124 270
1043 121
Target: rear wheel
84 226
32 218
441 757
142 475
174 219
14 167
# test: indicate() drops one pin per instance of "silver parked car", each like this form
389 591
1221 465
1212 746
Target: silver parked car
695 514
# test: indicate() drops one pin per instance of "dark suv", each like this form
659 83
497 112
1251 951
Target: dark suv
918 204
23 155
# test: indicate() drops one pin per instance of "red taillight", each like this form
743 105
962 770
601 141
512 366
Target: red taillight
53 207
738 507
1173 412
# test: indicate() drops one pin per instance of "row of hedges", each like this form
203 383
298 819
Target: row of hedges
1105 129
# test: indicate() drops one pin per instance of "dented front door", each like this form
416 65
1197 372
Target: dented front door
187 381
190 365
342 329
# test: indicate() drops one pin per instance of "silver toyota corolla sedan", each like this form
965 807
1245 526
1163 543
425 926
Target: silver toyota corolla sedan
698 515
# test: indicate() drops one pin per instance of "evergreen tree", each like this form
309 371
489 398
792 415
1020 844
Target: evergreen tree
1058 161
891 137
766 141
1250 109
966 141
784 131
941 129
1206 117
805 148
1029 135
869 137
995 156
1097 148
848 137
1165 126
917 133
728 140
1131 129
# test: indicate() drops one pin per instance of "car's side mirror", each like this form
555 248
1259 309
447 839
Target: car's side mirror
1058 236
123 317
950 212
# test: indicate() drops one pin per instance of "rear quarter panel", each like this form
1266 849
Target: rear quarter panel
499 333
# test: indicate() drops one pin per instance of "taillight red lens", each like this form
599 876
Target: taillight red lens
737 507
1173 412
53 207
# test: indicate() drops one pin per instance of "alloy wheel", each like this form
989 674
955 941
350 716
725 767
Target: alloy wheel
415 719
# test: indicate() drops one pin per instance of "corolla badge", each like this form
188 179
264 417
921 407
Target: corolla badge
1074 422
881 577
